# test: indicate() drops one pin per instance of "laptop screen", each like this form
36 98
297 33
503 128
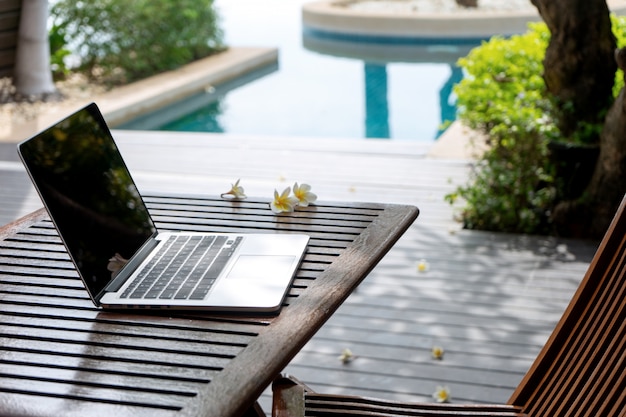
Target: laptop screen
89 194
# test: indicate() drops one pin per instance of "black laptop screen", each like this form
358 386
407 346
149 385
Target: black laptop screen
89 194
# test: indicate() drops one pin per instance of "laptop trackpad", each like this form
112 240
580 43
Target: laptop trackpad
261 267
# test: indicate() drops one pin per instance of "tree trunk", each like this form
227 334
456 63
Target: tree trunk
467 3
32 73
579 71
579 68
590 215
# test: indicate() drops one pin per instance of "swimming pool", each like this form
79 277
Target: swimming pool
322 87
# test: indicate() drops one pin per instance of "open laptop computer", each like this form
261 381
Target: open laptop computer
122 259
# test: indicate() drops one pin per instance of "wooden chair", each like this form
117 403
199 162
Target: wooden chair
581 371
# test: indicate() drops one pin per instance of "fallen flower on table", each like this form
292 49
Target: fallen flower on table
236 192
283 202
303 194
422 266
437 352
442 394
346 356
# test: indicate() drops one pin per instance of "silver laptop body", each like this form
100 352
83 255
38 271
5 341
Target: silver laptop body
123 260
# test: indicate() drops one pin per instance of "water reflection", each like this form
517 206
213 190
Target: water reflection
199 112
446 99
376 56
376 104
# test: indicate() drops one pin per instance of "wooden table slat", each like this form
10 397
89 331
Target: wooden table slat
317 233
263 214
327 226
118 397
162 366
210 201
120 329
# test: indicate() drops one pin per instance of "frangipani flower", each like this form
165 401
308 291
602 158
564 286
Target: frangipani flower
303 194
236 192
346 356
437 352
422 266
283 202
442 394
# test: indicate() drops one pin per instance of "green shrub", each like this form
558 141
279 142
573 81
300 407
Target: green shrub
502 96
512 186
58 52
619 30
121 41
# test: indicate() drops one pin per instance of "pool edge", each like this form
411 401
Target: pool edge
130 101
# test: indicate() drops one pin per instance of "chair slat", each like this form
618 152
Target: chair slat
585 347
325 405
292 398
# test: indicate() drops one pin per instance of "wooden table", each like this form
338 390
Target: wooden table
60 355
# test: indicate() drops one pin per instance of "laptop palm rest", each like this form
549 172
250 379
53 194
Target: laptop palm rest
253 281
260 267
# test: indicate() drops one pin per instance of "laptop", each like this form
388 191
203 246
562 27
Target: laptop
121 257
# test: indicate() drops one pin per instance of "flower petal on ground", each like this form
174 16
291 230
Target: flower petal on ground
437 352
422 266
346 356
442 394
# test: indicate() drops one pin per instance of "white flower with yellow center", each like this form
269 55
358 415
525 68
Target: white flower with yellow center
437 352
283 202
236 192
422 266
303 194
442 394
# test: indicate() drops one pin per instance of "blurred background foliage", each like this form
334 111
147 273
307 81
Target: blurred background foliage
120 41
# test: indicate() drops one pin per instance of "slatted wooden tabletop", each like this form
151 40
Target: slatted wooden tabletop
60 354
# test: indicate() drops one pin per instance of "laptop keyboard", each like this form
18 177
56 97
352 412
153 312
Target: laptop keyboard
184 268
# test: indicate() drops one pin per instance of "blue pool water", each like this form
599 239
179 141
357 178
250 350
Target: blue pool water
322 87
